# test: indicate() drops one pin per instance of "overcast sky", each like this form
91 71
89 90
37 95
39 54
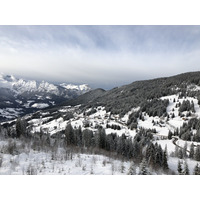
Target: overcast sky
102 56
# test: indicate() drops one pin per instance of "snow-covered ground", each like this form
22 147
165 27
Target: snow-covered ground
41 163
100 118
40 105
58 161
173 164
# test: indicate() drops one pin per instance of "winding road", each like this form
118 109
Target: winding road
174 140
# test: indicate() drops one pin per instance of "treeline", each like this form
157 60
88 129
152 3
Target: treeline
113 126
154 107
135 149
133 120
186 106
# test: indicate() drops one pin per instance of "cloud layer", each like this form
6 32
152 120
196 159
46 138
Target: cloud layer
103 56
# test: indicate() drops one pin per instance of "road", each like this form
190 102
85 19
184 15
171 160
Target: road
174 141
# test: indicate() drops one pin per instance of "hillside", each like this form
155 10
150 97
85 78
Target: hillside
122 99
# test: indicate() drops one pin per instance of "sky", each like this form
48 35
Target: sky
101 56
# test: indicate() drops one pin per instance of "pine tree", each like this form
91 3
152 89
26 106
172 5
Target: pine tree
143 168
136 151
185 150
176 151
180 154
150 154
166 151
191 155
179 169
192 107
186 169
69 135
196 170
170 135
79 137
197 153
20 128
122 168
159 156
102 138
165 164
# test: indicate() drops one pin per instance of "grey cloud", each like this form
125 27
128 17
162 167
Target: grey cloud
103 56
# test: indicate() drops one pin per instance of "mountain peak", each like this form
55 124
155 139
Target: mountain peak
83 87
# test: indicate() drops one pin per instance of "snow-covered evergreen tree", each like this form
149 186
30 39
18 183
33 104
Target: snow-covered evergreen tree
180 153
176 151
197 154
185 150
20 128
122 168
196 170
191 155
165 164
143 168
170 135
179 169
186 169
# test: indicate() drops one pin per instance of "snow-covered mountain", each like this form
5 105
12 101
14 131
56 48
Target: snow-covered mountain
82 88
19 96
21 86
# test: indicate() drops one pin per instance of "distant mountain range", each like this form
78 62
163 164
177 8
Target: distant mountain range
19 96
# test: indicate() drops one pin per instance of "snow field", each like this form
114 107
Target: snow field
173 163
41 163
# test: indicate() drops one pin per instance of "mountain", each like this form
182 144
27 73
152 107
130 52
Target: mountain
19 96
